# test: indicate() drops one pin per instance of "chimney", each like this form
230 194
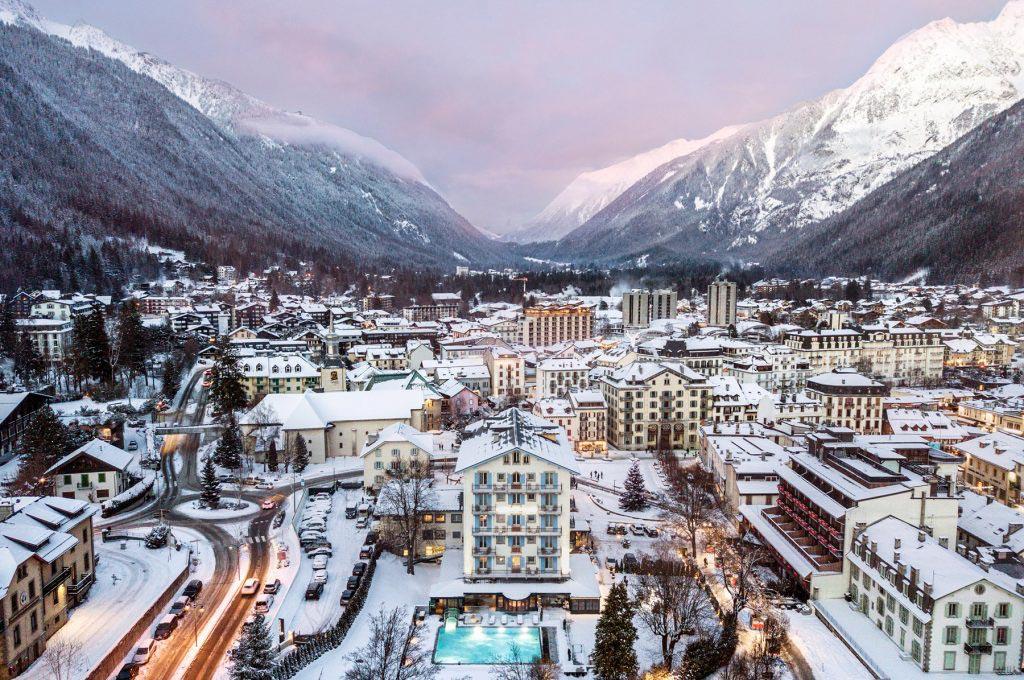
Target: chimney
927 587
920 536
913 576
896 544
896 558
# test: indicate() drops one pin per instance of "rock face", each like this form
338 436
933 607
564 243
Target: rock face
113 142
745 195
957 216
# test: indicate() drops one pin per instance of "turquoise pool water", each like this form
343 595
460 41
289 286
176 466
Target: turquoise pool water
484 645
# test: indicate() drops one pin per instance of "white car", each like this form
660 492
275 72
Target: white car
320 576
320 562
264 484
250 587
143 651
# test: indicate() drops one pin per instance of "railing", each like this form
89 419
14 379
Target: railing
549 550
54 582
483 508
81 585
978 647
84 487
549 508
482 550
980 622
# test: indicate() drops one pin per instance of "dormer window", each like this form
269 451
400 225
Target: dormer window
274 369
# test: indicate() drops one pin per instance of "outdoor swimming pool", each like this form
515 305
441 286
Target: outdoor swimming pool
486 645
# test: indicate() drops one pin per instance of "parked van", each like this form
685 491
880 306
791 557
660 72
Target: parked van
264 603
350 510
166 626
144 651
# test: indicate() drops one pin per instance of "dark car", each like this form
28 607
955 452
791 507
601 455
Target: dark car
365 552
346 596
652 532
351 484
371 538
352 583
358 568
314 590
629 562
193 589
127 672
271 587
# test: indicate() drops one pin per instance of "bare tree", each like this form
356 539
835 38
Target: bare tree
516 666
736 560
692 504
671 600
63 658
393 652
769 644
403 500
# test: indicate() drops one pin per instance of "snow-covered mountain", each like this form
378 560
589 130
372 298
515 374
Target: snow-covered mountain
591 191
112 143
743 194
218 100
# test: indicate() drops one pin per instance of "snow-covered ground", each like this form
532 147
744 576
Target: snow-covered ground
612 473
127 583
309 616
193 510
391 587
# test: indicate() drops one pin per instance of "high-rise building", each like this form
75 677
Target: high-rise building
550 323
722 303
636 312
641 307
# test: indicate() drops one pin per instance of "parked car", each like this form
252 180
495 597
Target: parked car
352 583
143 651
637 530
192 590
322 496
165 627
127 672
362 522
611 563
324 550
133 445
320 562
180 606
250 587
350 511
263 604
346 596
278 519
365 552
351 484
371 538
320 576
322 543
314 590
652 532
271 587
264 484
629 562
268 504
358 568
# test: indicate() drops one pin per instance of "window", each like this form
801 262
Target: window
952 610
1003 610
904 615
952 635
67 480
101 477
1002 635
949 661
999 661
918 628
915 650
33 622
979 610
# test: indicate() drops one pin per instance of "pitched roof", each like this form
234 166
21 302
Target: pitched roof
515 430
108 454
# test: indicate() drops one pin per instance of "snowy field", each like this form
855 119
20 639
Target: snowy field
613 472
127 583
309 616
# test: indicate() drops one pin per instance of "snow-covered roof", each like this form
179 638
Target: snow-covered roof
515 430
318 410
1001 449
400 432
108 454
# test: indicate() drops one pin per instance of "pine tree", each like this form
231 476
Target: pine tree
634 495
171 377
210 496
300 454
272 455
255 659
28 362
228 453
8 330
132 341
614 657
226 388
275 301
44 442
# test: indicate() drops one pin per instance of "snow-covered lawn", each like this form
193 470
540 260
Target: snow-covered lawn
826 654
192 509
309 616
612 473
127 583
391 587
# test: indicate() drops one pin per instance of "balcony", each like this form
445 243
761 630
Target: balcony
550 508
481 550
55 582
85 487
549 550
979 622
978 647
80 586
483 508
522 572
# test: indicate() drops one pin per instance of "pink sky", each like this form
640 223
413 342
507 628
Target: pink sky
501 104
